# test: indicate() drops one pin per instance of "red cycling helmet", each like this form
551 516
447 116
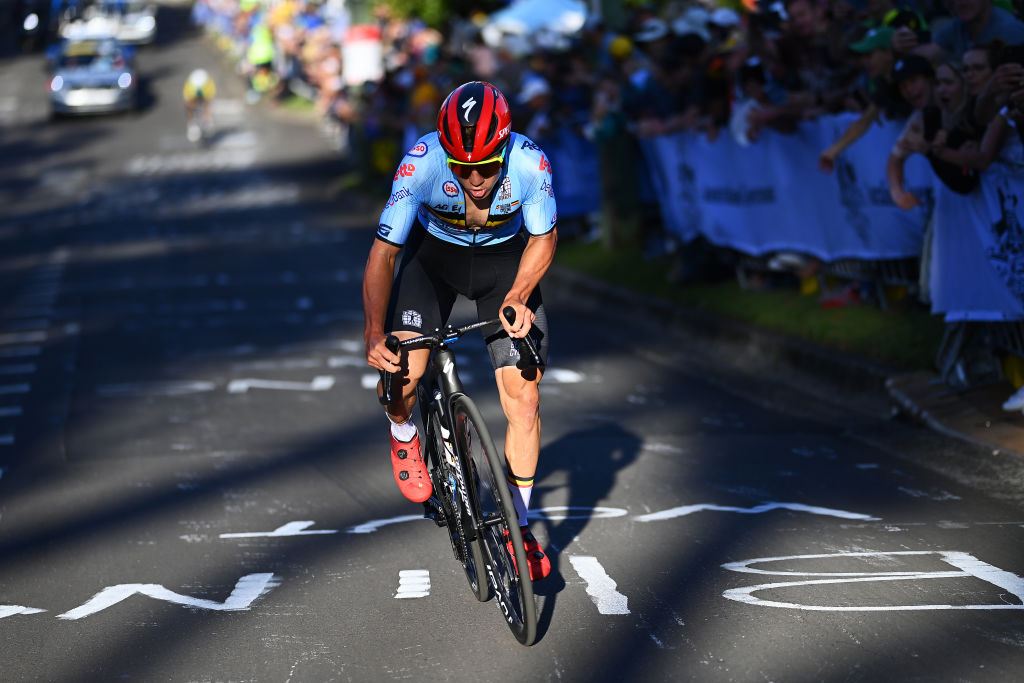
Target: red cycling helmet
474 123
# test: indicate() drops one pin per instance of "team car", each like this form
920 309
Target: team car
92 75
136 20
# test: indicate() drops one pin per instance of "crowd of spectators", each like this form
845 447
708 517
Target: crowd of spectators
953 70
690 65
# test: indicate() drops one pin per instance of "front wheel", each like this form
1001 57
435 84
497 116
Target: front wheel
498 523
444 475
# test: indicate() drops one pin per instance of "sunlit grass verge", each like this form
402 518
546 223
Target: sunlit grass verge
905 335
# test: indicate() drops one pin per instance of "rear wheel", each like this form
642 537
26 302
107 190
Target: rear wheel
500 525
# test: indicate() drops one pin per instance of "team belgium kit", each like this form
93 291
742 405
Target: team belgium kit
426 214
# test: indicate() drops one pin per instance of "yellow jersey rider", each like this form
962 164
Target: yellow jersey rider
198 92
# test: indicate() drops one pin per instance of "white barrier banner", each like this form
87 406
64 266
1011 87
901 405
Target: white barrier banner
770 196
977 270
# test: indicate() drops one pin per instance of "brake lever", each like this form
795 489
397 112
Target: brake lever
528 356
385 397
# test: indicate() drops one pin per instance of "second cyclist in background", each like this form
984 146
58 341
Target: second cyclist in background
198 94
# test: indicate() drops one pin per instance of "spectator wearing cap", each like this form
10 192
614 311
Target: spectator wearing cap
914 76
876 57
754 111
534 100
974 22
653 40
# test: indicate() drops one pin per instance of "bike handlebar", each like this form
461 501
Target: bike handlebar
528 356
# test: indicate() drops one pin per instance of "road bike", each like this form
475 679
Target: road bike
471 498
199 124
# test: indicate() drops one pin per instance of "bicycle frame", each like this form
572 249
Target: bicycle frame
479 534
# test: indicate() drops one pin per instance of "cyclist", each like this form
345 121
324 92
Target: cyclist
473 207
198 92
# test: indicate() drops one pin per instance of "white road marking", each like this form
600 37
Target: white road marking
289 529
757 510
373 525
172 388
191 161
600 586
563 376
347 362
246 591
10 411
968 565
559 512
11 610
7 439
413 583
319 383
15 388
22 337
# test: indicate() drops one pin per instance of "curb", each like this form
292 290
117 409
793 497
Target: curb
852 372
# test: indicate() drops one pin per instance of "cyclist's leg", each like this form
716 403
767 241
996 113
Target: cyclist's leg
420 302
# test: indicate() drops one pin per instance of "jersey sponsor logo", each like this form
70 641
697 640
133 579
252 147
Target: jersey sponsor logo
419 150
545 165
404 171
441 207
383 231
467 107
506 208
504 132
529 145
450 188
403 193
545 186
505 191
554 219
412 318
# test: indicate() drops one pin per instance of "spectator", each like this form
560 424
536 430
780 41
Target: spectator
974 22
534 101
754 111
1001 142
877 60
1007 77
913 75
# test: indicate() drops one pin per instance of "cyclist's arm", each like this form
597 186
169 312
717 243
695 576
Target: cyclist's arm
377 279
536 259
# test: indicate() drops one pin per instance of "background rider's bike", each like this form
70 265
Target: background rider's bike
471 498
198 129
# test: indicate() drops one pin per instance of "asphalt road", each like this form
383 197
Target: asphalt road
194 483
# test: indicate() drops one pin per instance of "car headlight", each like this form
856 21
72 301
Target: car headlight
56 83
124 80
31 22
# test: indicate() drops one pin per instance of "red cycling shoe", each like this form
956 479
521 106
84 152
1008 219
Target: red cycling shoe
410 472
540 565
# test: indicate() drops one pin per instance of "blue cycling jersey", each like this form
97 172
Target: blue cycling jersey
425 188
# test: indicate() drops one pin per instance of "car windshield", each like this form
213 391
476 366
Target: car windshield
91 56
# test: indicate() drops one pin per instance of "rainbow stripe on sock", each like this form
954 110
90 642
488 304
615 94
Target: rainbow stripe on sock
519 482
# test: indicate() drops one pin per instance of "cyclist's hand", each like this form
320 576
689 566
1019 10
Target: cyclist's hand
524 318
380 356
